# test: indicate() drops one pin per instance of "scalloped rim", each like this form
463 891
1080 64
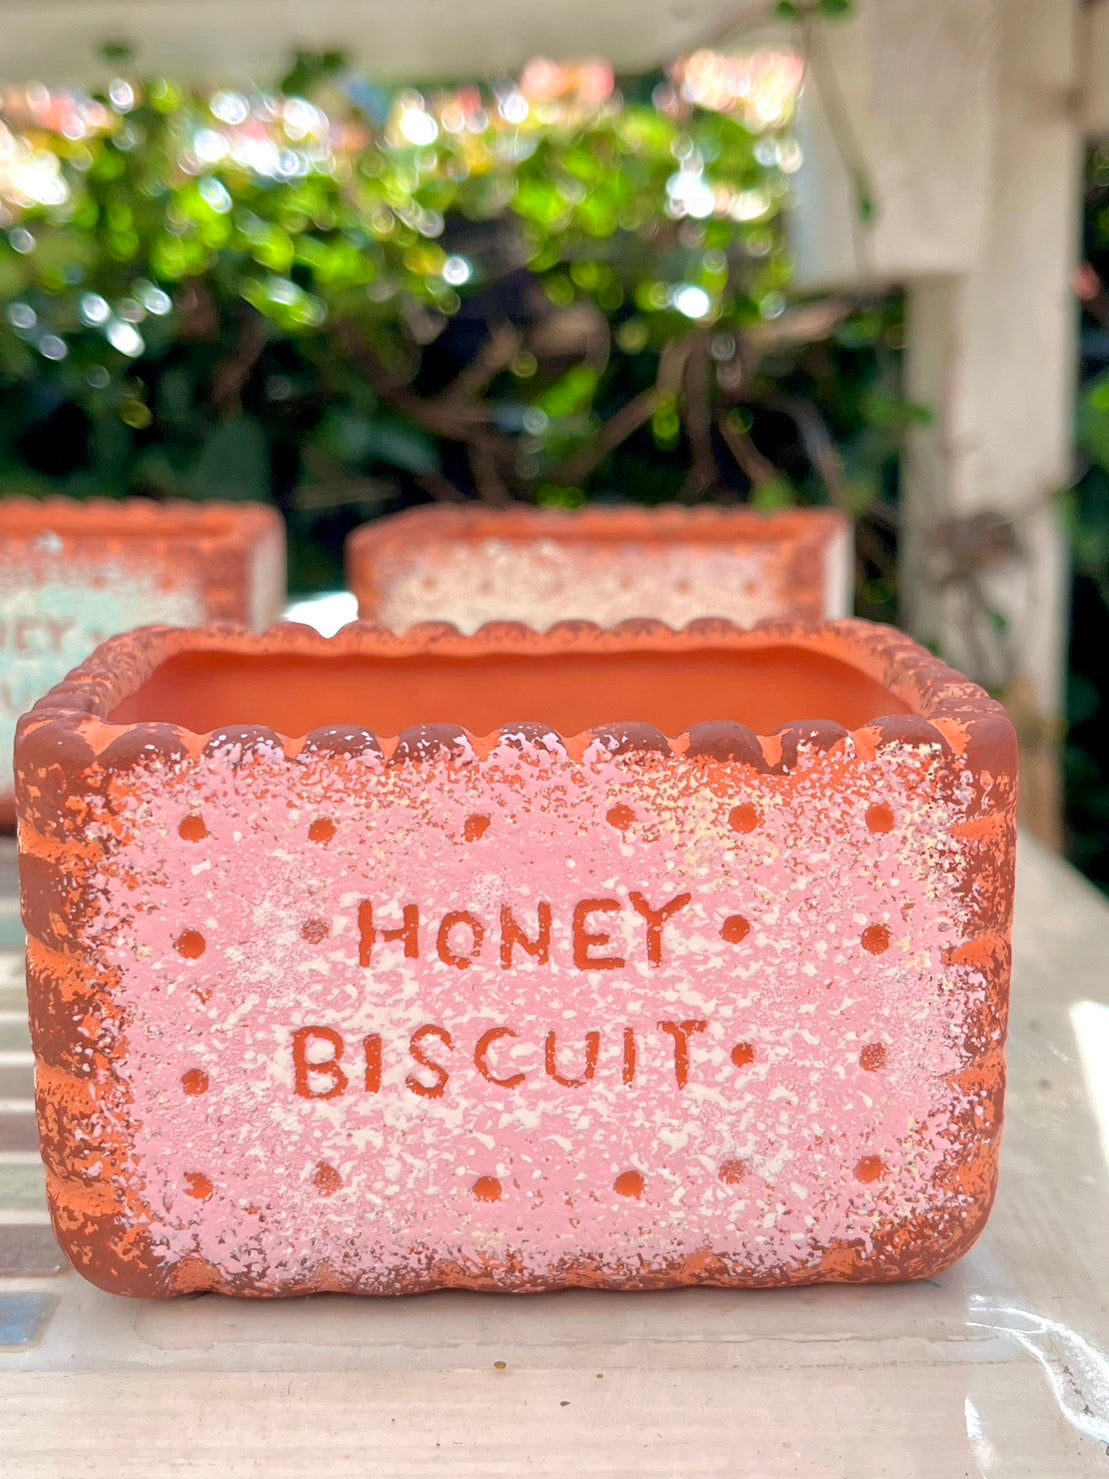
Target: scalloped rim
234 524
946 710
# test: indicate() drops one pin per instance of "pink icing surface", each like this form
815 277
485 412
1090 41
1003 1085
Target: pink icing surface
814 1147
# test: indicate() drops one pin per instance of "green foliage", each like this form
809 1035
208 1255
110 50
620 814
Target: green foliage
345 299
1086 512
268 200
190 275
796 10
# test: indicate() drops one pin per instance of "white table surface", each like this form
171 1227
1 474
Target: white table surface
1000 1368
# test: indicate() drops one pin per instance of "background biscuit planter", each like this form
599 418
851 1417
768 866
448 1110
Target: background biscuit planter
72 574
471 565
702 996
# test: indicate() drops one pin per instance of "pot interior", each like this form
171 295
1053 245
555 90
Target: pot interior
294 693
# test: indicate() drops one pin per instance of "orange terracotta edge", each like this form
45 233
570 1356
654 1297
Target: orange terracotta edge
468 521
805 530
231 525
947 709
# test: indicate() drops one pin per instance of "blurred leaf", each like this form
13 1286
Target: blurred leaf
1083 699
309 69
1093 421
344 436
390 440
548 495
232 463
118 52
112 443
863 491
890 412
773 495
571 393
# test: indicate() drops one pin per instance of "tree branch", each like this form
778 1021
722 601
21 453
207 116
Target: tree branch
819 447
748 457
575 469
697 415
496 354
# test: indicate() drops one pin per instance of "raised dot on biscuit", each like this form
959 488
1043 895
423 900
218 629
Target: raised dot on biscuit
876 938
873 1057
191 944
629 1184
879 818
870 1168
326 1179
734 929
743 818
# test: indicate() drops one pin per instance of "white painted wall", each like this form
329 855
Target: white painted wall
410 41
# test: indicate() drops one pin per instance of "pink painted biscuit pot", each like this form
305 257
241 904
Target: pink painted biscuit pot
469 565
388 963
72 574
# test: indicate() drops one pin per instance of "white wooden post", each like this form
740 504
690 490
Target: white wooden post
904 95
963 120
992 353
1095 69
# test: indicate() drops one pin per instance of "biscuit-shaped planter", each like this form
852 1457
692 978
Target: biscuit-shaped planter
72 574
530 961
470 565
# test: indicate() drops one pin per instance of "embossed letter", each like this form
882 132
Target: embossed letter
459 917
592 1051
631 1055
304 1067
415 1047
481 1061
584 937
656 918
371 1048
368 935
512 934
681 1033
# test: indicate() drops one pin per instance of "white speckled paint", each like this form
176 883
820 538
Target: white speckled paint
471 582
761 1160
49 626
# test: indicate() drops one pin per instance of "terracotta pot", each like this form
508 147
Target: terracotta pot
596 964
470 565
72 574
